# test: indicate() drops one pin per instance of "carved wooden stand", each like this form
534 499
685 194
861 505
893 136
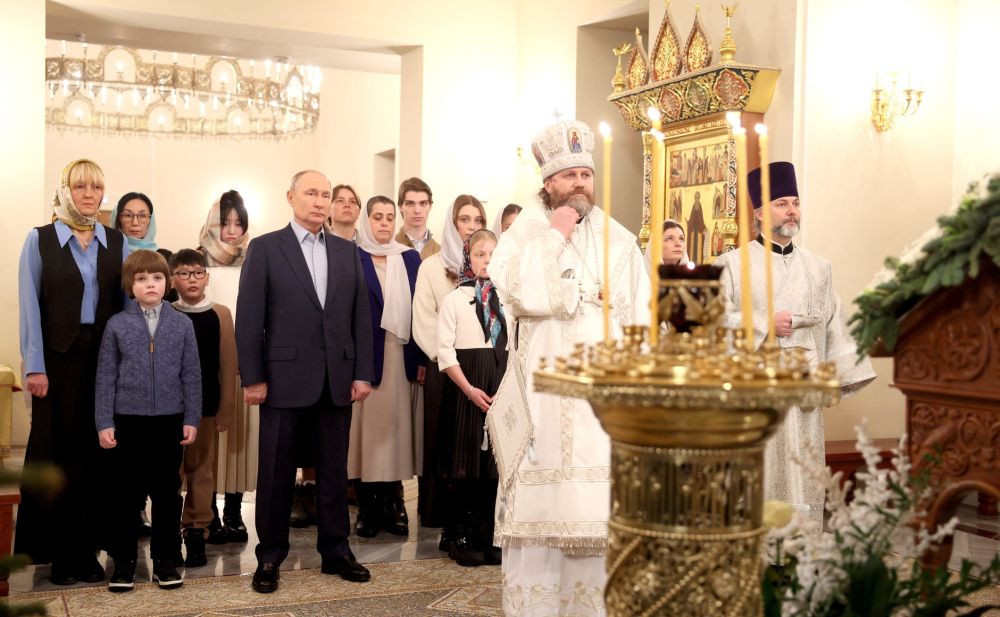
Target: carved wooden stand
947 363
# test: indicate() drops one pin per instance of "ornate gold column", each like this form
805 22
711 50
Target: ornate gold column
688 423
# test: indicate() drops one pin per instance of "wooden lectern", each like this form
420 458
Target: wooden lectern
947 363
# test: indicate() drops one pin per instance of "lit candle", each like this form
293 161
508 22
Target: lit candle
765 223
743 218
606 188
655 226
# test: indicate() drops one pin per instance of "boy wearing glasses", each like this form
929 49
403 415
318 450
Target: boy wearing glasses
213 330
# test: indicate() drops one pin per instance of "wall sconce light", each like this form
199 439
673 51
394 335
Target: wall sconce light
891 103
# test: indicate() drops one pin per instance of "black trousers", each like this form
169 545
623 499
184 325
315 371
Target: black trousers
64 526
327 428
146 462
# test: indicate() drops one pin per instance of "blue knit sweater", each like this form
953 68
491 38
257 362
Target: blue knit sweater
139 375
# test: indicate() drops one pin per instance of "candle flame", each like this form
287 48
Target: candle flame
690 265
653 113
605 129
657 135
760 128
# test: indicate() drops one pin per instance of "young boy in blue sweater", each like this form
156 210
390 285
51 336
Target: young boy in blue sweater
148 406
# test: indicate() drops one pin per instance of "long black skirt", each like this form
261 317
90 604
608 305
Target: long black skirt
432 496
461 432
65 526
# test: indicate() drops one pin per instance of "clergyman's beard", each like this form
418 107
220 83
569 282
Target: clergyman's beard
580 202
788 230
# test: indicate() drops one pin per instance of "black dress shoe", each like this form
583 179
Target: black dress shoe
216 532
265 579
62 574
394 519
367 524
346 568
194 541
89 570
236 529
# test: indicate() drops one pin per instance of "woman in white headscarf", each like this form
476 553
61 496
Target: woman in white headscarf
674 244
505 218
381 452
437 278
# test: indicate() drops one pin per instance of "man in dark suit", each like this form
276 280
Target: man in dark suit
304 338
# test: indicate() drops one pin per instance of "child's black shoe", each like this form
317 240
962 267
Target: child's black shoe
194 542
124 577
165 574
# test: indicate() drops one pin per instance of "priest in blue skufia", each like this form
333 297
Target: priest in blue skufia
807 315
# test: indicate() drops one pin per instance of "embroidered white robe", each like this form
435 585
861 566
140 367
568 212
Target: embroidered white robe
552 514
803 286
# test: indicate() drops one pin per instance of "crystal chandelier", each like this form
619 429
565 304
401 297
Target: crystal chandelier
120 89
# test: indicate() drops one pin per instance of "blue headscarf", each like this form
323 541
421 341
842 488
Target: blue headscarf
148 241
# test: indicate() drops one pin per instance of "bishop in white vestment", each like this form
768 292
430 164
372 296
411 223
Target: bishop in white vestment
554 503
807 315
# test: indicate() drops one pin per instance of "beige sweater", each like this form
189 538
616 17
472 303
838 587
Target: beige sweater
433 284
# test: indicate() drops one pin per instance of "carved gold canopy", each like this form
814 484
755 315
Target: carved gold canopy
682 82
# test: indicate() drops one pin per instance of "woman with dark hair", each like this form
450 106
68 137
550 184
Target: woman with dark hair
69 284
133 216
505 218
381 452
224 236
224 240
437 277
674 244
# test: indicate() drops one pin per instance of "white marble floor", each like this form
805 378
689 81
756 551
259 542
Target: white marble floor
236 559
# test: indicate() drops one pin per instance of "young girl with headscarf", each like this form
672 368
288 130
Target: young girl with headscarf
473 330
381 452
437 277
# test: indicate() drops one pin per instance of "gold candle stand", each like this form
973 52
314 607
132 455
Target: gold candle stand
688 422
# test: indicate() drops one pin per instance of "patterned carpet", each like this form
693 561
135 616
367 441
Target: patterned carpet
412 588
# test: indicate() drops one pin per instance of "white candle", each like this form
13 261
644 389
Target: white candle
765 204
606 189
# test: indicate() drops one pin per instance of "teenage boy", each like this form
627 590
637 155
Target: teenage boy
415 202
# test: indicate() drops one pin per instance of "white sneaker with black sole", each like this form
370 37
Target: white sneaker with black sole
165 574
124 577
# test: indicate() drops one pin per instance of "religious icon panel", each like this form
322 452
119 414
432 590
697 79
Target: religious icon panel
700 195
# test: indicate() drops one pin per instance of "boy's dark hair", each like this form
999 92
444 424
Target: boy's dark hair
416 185
144 261
188 257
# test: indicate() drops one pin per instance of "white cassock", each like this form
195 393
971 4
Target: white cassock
803 286
554 502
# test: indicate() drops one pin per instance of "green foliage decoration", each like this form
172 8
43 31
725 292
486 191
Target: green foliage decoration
963 241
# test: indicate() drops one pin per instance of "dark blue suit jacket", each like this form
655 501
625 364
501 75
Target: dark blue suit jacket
284 337
413 358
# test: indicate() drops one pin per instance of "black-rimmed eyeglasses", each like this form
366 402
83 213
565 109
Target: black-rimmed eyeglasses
185 274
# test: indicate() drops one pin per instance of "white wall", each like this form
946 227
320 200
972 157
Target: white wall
976 92
360 118
867 194
22 162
